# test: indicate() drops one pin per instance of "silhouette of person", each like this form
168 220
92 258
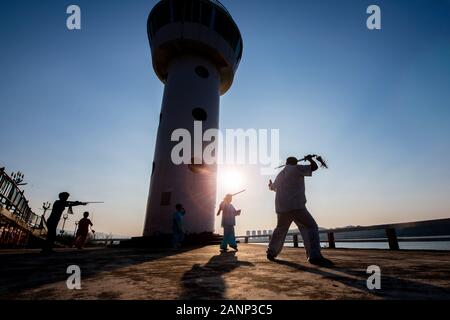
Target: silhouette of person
290 205
83 230
178 226
52 222
228 222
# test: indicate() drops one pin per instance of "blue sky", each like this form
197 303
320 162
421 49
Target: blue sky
79 109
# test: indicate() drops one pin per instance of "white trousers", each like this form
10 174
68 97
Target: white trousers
307 227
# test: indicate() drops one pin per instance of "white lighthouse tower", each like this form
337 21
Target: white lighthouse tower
196 48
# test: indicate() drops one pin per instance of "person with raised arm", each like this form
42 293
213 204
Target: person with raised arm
52 222
228 222
290 205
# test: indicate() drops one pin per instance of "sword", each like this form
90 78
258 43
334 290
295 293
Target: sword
237 193
322 162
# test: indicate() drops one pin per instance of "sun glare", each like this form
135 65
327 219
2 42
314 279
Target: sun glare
231 180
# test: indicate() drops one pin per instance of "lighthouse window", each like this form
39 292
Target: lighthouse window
206 12
225 28
165 198
178 8
188 8
196 12
199 114
202 72
239 48
161 16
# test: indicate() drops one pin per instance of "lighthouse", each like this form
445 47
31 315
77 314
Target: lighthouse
196 48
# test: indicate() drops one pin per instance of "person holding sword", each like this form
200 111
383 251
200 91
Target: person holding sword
228 222
52 223
290 205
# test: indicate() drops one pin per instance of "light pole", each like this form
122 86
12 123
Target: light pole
75 231
45 207
65 216
18 178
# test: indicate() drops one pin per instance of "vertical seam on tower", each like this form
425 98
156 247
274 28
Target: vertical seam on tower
213 18
171 11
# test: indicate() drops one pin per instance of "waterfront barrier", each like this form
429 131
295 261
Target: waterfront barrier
390 233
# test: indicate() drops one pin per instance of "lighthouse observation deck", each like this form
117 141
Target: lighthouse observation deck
198 27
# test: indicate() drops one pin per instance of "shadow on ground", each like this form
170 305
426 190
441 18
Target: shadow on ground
22 271
206 282
391 287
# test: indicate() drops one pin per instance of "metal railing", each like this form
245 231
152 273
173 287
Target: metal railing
14 201
390 231
107 241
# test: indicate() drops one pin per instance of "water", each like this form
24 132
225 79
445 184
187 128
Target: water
413 245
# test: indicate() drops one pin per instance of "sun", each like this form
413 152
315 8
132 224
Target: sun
231 180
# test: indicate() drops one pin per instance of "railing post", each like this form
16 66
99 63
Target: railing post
392 238
246 239
331 243
295 239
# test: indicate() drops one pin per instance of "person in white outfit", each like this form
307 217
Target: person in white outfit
290 205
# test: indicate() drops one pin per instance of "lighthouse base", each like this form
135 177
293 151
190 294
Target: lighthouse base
165 240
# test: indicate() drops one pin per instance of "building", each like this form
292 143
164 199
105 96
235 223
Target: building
196 49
